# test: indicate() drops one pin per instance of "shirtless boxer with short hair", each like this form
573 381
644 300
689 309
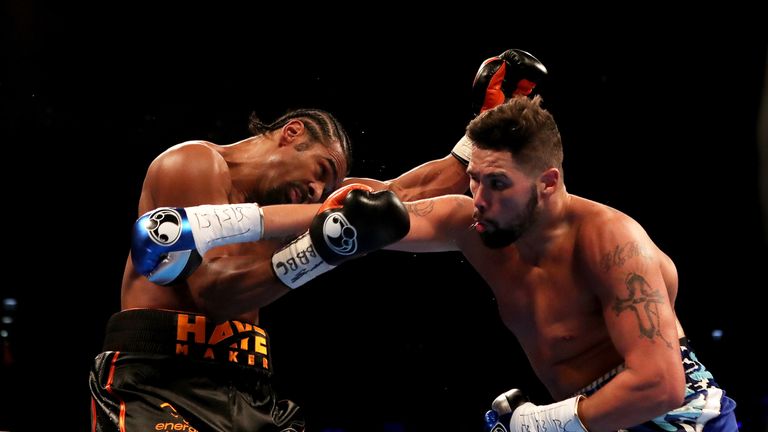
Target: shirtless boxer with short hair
582 286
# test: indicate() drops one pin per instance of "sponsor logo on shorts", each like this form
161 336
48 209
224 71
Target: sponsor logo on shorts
178 423
230 341
164 226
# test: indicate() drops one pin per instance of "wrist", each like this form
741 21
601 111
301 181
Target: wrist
298 262
463 150
222 224
561 415
579 399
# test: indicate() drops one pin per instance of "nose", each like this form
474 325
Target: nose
315 190
478 199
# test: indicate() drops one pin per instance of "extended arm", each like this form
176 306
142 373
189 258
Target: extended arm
439 224
434 178
511 74
238 273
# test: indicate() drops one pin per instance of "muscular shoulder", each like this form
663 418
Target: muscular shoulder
190 158
186 174
606 236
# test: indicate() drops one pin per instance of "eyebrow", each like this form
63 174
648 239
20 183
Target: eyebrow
498 174
335 170
494 174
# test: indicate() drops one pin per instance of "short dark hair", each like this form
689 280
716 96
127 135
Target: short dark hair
321 126
525 129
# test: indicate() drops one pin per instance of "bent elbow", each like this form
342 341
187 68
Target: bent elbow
670 392
675 396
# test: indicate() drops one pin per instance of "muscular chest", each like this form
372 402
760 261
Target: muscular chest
549 307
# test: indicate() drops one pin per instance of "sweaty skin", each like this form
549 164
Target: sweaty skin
580 298
430 179
234 281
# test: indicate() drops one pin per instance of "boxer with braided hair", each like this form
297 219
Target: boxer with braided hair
202 263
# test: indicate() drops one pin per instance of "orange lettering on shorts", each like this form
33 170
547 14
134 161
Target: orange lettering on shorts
233 356
209 353
221 332
183 328
172 426
242 327
261 345
182 349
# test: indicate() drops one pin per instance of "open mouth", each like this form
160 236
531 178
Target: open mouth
482 226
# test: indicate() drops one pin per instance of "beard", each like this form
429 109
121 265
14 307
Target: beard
503 237
281 194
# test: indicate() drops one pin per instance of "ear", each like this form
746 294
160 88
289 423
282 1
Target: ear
290 132
549 180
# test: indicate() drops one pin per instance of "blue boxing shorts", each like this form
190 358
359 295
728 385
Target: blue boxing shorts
706 408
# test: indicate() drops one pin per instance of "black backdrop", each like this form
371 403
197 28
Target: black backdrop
659 120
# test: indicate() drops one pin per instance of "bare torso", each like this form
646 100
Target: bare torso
138 292
551 306
206 162
234 281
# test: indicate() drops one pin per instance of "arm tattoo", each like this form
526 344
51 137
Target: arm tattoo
644 302
420 208
621 254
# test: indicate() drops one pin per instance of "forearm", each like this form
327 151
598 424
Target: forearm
434 178
282 221
629 399
438 224
226 287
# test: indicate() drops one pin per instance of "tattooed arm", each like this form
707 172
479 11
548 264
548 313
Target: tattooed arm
625 269
437 224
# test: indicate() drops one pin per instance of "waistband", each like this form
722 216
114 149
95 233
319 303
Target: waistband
188 335
596 384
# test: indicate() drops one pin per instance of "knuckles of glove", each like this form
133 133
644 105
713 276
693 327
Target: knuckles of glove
365 222
513 73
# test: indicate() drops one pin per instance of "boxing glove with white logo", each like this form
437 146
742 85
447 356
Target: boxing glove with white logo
353 221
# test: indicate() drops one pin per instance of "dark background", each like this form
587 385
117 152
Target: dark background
659 119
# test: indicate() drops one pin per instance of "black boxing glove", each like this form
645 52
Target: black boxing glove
512 73
498 417
353 221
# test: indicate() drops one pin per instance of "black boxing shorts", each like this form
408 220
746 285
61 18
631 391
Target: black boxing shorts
172 371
